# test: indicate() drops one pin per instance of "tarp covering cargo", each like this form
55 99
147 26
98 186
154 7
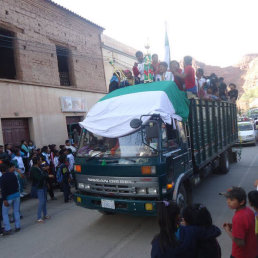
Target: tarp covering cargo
111 116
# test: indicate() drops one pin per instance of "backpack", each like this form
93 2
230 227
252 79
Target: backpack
59 174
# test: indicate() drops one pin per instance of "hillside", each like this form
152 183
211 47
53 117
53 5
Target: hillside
244 75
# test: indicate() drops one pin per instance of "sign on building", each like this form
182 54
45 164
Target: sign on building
73 104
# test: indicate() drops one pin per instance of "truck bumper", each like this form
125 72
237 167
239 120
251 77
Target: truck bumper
134 207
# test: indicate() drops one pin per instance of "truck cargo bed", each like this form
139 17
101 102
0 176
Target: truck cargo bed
213 128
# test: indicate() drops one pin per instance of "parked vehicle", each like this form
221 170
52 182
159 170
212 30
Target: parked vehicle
147 143
246 133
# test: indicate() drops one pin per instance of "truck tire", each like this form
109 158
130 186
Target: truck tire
223 163
181 198
232 156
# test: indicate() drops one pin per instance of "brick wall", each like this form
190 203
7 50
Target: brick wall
38 26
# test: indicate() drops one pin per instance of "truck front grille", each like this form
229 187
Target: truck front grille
119 186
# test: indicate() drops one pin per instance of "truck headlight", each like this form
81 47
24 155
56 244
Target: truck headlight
152 191
87 187
141 190
81 185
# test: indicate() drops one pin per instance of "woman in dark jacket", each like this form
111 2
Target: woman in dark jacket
39 180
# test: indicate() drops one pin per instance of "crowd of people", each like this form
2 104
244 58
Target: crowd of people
195 84
46 169
190 233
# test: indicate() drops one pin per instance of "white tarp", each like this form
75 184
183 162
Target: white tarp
111 117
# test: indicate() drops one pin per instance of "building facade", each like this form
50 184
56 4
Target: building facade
51 71
122 55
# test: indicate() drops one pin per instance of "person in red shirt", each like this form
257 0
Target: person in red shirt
242 229
188 75
175 68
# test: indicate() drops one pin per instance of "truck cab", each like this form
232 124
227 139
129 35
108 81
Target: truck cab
132 173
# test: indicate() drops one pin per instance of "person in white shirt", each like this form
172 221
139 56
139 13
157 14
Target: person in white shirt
17 158
138 68
69 146
200 81
70 159
45 153
164 74
56 159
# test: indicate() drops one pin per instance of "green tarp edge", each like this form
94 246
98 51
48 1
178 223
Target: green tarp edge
178 98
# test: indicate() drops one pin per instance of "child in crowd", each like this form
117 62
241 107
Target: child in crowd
175 68
197 221
189 77
164 74
233 93
19 165
11 196
138 68
207 248
178 241
165 244
17 158
155 64
242 229
56 159
63 177
253 201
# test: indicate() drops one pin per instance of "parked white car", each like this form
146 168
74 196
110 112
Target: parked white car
246 133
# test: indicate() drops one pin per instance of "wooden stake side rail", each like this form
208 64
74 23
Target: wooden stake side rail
213 128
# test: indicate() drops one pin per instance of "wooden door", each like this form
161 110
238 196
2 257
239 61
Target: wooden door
15 130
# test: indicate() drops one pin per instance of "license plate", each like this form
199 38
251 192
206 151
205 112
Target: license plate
109 204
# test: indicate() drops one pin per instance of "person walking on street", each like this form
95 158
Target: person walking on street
11 197
39 180
63 177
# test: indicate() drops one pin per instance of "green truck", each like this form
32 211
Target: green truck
147 143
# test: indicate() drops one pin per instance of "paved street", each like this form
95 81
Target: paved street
76 232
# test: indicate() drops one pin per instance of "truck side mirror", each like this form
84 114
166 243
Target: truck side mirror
135 123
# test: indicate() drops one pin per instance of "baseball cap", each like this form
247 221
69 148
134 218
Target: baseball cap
235 193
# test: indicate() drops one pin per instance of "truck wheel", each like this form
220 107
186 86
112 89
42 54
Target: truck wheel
106 212
223 163
232 156
181 198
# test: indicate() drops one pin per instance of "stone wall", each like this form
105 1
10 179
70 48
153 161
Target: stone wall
39 26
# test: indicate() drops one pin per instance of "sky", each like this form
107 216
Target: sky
214 32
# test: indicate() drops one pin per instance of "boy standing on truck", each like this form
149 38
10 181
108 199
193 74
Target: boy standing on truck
138 68
189 77
242 229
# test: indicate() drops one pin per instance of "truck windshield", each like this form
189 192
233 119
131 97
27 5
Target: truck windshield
245 127
92 145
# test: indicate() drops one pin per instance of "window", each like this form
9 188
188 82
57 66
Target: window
63 65
181 131
169 136
7 63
